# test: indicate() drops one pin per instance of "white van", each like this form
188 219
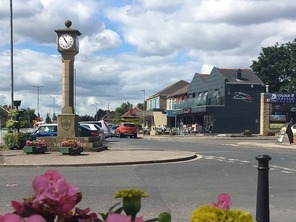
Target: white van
103 126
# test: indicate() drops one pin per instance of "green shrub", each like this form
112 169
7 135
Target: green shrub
11 139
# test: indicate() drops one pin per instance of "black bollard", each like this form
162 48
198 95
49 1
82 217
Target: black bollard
262 208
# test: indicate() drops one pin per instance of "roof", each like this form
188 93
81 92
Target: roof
247 76
4 111
181 91
132 112
170 89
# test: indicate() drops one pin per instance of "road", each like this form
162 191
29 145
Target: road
175 187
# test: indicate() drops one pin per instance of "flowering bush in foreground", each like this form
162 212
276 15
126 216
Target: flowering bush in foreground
221 212
55 200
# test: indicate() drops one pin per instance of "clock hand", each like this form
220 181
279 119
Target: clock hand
65 39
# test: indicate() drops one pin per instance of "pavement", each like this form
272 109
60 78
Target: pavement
125 156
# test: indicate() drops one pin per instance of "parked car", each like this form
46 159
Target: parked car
44 130
126 129
83 131
103 125
113 129
94 127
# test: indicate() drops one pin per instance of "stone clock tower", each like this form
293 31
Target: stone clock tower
68 46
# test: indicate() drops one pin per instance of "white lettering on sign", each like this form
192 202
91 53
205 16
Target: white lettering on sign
242 96
282 98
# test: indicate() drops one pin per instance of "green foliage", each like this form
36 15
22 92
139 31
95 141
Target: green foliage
276 67
123 108
164 217
140 106
11 139
11 124
48 119
19 118
54 117
112 210
86 118
100 114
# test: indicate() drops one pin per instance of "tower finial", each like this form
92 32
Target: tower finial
68 23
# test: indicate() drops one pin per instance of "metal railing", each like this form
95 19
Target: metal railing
199 101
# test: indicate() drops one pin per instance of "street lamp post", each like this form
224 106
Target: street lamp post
143 90
11 54
17 103
53 107
38 87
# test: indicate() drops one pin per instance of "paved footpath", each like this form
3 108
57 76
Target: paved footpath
109 157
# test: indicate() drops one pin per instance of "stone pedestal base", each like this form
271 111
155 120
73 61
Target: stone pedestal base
67 125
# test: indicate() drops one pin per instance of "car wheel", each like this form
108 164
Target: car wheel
121 135
135 136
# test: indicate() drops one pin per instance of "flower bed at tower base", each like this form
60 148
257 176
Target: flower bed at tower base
35 149
71 150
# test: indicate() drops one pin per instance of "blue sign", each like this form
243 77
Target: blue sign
282 98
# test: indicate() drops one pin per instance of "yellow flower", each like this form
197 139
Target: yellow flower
131 194
213 214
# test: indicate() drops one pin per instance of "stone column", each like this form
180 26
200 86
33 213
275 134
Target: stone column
68 84
264 113
67 120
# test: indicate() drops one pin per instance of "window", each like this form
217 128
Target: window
216 97
205 96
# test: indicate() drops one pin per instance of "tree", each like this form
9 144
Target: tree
100 114
48 119
24 118
86 118
276 67
54 117
140 106
123 108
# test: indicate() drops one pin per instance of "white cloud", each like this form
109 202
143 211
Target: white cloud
130 45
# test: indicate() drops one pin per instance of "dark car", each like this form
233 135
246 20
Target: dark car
126 129
52 130
84 131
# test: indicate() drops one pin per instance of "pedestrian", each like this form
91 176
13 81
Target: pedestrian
289 132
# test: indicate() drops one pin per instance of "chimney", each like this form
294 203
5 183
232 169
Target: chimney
239 74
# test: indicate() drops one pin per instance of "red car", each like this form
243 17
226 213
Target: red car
126 129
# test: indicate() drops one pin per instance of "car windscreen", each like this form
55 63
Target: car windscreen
46 129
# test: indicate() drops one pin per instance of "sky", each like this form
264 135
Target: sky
127 46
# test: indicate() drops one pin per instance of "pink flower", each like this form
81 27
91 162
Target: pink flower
84 213
118 218
36 218
139 219
18 207
224 201
9 217
53 188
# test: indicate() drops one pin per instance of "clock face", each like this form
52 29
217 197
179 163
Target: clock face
66 41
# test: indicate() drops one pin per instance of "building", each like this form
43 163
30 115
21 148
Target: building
156 106
4 115
132 115
224 101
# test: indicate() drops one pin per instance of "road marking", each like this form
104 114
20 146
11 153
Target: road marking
281 169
